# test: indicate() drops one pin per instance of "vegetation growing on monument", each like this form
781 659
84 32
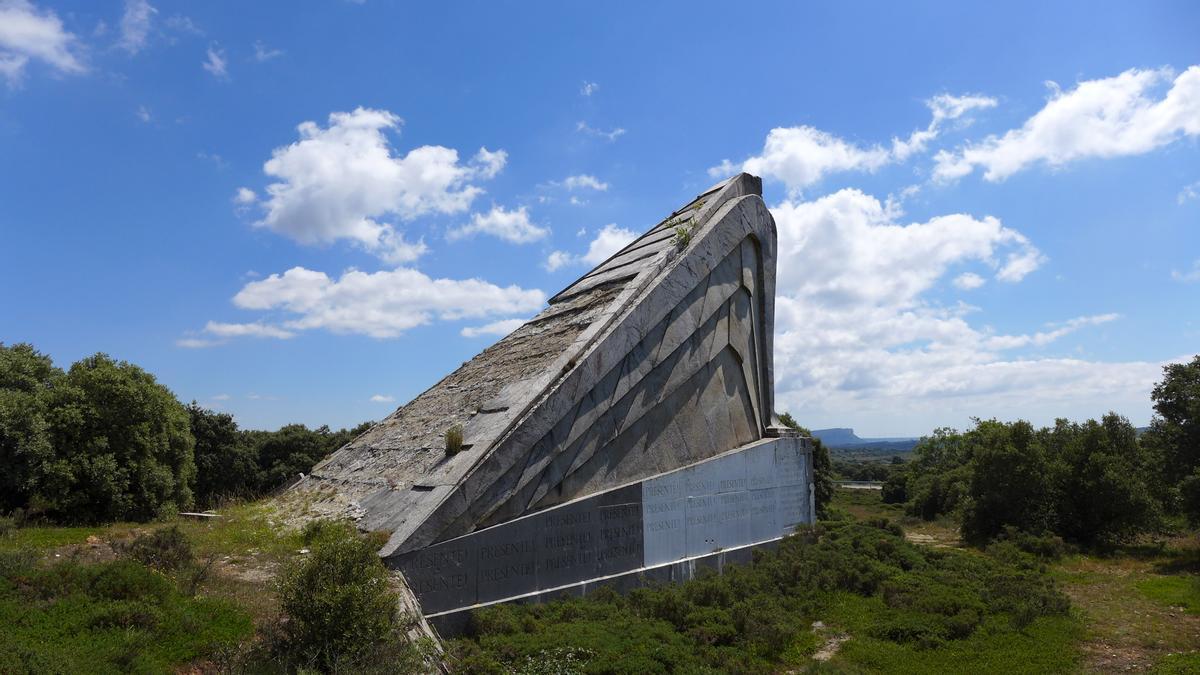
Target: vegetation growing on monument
454 440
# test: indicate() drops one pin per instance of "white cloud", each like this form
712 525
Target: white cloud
1042 338
499 328
557 260
610 136
1188 276
969 281
215 63
244 196
1110 117
259 330
608 241
511 226
197 343
1188 193
380 304
583 181
135 25
341 181
143 114
28 33
588 88
945 107
800 156
381 398
857 332
262 53
221 397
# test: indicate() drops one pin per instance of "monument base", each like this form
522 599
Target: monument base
661 529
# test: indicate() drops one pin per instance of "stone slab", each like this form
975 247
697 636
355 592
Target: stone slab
753 494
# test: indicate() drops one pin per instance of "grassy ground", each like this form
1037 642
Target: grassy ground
1139 606
245 547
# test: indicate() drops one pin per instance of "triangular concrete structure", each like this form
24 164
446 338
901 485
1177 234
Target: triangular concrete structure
655 360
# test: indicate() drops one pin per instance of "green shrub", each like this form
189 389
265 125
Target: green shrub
166 549
117 616
338 603
757 617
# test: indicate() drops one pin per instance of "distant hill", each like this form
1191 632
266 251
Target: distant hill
845 443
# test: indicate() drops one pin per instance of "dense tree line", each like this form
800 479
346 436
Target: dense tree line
105 441
1095 482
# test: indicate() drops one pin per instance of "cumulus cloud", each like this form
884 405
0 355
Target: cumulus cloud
968 281
382 398
1109 117
512 226
557 260
343 182
29 33
802 155
135 25
857 331
244 196
380 304
585 181
608 241
588 88
499 328
215 63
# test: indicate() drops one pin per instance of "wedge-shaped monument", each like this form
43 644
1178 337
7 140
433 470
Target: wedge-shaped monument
645 386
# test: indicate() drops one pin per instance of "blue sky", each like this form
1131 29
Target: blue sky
312 215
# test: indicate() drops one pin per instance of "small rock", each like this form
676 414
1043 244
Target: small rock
302 551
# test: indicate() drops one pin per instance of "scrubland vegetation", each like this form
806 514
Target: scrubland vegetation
1001 548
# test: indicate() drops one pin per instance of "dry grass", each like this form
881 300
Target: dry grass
1132 628
1140 604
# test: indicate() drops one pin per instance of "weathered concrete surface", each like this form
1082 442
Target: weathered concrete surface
622 536
658 358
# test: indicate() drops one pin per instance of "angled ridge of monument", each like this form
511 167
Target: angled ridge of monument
651 374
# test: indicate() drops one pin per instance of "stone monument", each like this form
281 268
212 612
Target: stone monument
625 434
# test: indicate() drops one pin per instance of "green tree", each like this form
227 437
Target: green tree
822 467
1173 438
939 473
226 463
122 446
1101 476
1010 484
26 377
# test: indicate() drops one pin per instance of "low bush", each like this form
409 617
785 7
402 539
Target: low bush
758 617
118 616
338 603
166 549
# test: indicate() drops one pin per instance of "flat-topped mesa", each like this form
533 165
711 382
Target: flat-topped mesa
658 358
